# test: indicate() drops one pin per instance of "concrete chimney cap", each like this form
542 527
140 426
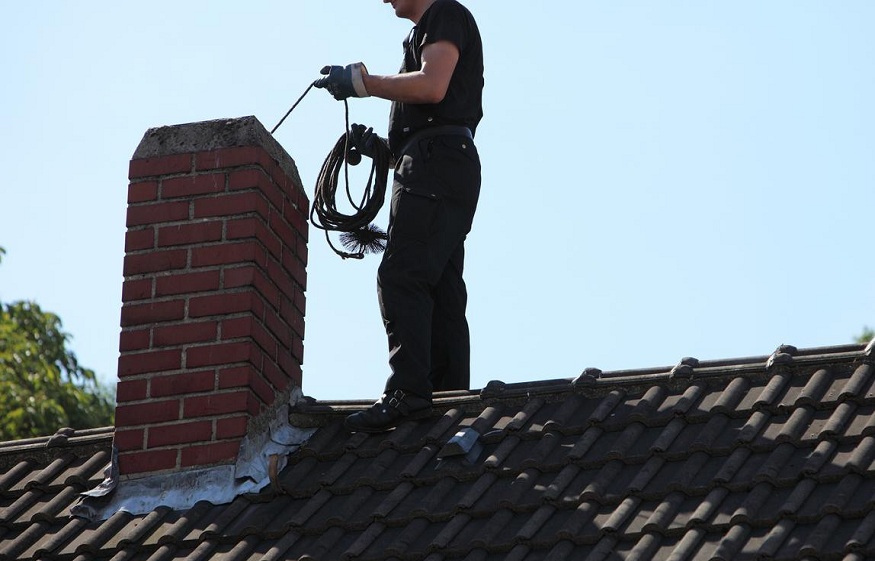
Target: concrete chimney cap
207 136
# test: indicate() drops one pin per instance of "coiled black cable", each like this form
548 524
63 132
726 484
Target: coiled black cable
358 233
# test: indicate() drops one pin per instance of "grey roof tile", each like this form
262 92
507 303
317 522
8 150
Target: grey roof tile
714 460
41 479
13 475
91 539
137 529
13 546
853 421
859 383
21 503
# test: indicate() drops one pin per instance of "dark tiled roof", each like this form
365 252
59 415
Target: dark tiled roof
760 458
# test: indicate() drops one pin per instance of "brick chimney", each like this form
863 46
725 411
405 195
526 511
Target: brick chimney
213 297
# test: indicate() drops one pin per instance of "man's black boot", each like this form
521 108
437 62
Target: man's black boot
391 410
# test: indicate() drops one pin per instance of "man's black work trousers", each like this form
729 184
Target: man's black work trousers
420 287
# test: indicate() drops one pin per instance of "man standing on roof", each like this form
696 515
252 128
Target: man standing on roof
436 106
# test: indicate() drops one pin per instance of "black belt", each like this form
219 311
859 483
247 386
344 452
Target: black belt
439 130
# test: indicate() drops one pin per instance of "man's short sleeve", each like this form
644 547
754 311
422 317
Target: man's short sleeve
445 21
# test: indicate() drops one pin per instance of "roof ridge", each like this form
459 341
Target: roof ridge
81 443
594 382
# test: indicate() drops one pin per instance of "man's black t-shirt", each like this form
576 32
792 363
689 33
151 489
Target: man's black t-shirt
444 20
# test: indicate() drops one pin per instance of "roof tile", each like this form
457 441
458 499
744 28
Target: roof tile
50 508
716 460
659 518
857 385
90 539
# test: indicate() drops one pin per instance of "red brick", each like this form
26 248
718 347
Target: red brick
228 253
187 283
252 276
267 289
297 219
147 461
152 312
132 439
295 375
293 317
154 411
297 352
301 254
182 384
140 239
134 340
283 231
247 377
282 279
232 427
279 177
231 205
180 433
222 354
155 213
131 390
236 328
216 404
232 157
240 276
191 233
288 181
296 269
239 228
190 185
301 302
208 454
278 328
139 289
131 364
236 376
260 387
252 227
277 378
222 304
288 185
251 178
162 165
192 332
142 192
295 356
275 195
155 261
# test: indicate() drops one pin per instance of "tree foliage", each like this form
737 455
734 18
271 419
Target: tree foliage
42 385
866 335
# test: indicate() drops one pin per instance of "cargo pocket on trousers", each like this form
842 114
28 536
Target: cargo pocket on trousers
416 215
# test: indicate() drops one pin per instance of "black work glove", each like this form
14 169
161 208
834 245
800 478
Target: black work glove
363 141
343 81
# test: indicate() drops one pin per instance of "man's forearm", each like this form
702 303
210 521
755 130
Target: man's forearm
411 87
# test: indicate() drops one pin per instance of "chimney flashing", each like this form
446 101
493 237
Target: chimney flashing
269 435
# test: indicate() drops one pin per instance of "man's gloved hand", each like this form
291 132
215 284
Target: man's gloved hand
363 140
343 81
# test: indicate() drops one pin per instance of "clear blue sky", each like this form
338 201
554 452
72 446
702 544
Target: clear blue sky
660 178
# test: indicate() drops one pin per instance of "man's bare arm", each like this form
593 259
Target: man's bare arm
428 85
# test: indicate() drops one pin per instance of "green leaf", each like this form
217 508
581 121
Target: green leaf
42 385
